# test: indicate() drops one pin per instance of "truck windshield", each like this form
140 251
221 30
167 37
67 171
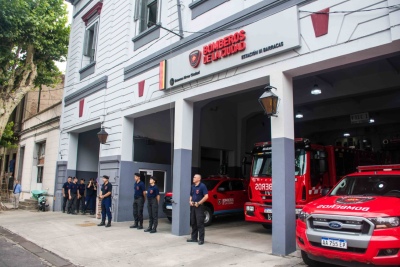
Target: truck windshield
366 185
262 164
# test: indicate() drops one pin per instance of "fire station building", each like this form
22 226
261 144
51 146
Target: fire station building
175 85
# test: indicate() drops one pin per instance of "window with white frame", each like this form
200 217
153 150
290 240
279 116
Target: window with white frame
41 150
39 179
161 177
146 13
90 43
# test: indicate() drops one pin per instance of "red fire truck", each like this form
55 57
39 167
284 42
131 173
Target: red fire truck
317 167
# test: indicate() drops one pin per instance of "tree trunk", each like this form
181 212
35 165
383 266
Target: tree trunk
12 97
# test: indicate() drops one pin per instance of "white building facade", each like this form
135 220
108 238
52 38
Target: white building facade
38 153
154 73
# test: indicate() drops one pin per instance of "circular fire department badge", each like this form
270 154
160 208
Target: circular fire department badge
353 200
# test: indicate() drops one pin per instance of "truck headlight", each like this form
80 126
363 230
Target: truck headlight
303 216
385 222
249 208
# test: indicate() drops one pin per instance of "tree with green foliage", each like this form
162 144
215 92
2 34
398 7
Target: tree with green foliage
8 139
33 35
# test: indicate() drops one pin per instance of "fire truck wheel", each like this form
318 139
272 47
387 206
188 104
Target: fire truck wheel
267 226
307 260
208 216
169 219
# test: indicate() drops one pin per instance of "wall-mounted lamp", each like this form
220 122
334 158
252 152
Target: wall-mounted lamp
269 101
299 115
316 90
102 135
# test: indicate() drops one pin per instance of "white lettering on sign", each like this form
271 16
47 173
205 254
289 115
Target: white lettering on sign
267 148
359 118
227 201
263 186
342 207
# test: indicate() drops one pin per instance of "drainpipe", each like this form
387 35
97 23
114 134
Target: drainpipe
178 4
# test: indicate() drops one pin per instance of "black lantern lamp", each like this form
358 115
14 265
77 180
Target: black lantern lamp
102 135
269 101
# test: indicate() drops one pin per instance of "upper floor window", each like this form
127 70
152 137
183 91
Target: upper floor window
146 13
90 43
91 20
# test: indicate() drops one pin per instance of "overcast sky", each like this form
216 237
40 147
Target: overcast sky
62 65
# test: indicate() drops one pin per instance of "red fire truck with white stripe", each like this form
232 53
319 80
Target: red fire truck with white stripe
317 167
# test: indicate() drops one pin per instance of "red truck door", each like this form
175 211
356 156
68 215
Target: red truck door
225 196
240 194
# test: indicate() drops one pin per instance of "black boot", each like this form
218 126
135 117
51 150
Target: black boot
154 230
108 224
148 229
102 223
134 225
140 226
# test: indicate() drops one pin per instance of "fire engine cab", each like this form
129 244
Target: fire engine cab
357 223
317 167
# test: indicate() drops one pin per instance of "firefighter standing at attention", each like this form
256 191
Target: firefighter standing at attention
198 195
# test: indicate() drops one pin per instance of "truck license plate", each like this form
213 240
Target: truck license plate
268 211
168 207
334 243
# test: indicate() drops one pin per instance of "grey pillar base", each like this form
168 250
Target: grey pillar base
283 197
182 181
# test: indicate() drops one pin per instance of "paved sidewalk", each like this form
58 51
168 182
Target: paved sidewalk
77 239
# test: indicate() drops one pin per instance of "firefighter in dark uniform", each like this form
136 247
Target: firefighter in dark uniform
91 190
81 196
198 195
153 198
138 202
73 196
65 192
105 196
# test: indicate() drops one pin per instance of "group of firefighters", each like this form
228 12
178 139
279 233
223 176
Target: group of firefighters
74 195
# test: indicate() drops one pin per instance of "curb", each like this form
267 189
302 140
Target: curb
48 256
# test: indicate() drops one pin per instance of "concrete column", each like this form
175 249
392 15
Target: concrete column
73 151
182 168
283 182
127 139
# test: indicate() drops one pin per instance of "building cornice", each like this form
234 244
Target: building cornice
86 91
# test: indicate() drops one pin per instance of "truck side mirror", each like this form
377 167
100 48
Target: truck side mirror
221 189
325 191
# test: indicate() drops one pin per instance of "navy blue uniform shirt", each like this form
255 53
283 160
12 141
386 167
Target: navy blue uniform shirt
197 193
74 188
66 187
90 190
81 188
139 189
152 191
105 188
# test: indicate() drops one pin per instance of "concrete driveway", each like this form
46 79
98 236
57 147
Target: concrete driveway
229 242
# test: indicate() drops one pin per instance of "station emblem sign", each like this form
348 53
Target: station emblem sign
195 58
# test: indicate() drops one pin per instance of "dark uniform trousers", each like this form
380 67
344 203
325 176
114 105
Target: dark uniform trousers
65 201
80 203
90 203
138 204
106 209
197 222
72 203
152 207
